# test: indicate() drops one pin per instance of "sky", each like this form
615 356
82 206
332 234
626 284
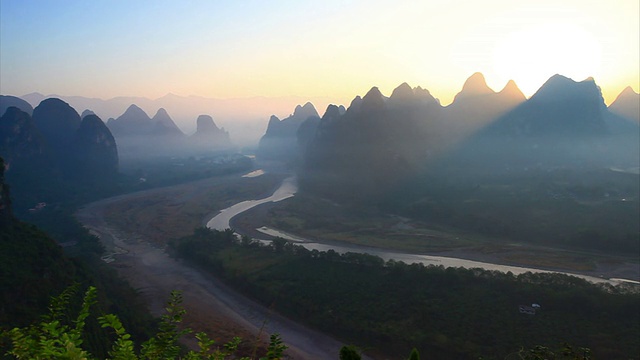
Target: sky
331 48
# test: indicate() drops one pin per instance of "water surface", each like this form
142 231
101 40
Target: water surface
289 187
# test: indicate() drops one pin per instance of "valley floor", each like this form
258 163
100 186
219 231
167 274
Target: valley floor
440 243
136 227
139 257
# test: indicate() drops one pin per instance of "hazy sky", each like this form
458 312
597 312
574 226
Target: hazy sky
108 48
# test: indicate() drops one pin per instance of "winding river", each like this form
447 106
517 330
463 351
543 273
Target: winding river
289 187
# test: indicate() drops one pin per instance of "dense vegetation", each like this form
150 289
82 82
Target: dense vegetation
61 336
33 266
387 308
53 251
592 209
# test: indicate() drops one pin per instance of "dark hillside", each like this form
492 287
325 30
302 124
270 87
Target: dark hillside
34 267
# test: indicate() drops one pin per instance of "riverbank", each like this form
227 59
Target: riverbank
135 227
547 259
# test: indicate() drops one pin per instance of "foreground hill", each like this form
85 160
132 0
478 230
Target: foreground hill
54 152
35 268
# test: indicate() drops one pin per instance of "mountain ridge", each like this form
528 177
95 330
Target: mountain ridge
627 104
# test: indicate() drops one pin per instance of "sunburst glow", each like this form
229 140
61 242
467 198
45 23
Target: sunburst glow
534 54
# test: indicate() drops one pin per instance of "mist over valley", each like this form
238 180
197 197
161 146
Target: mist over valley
319 180
548 183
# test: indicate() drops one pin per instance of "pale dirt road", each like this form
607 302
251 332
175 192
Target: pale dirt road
211 306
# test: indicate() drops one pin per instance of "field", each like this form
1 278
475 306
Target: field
322 220
168 213
176 211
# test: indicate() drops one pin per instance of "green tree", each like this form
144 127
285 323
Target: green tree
53 338
350 352
415 355
278 244
276 348
246 240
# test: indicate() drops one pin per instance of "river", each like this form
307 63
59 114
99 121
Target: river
289 187
211 306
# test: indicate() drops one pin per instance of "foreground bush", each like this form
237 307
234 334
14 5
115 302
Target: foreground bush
55 338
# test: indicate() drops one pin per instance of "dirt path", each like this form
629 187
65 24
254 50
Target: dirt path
211 306
135 227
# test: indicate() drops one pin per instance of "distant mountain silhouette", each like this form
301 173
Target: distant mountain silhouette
627 105
377 141
57 121
164 125
511 91
105 108
208 136
381 141
206 126
34 98
242 117
561 107
405 95
139 136
133 122
86 112
7 101
373 102
475 85
280 140
565 123
288 126
476 105
94 150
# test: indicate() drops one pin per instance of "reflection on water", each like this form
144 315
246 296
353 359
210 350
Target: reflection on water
444 261
282 234
633 170
626 281
415 258
221 221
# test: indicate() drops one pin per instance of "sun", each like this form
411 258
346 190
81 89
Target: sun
531 55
